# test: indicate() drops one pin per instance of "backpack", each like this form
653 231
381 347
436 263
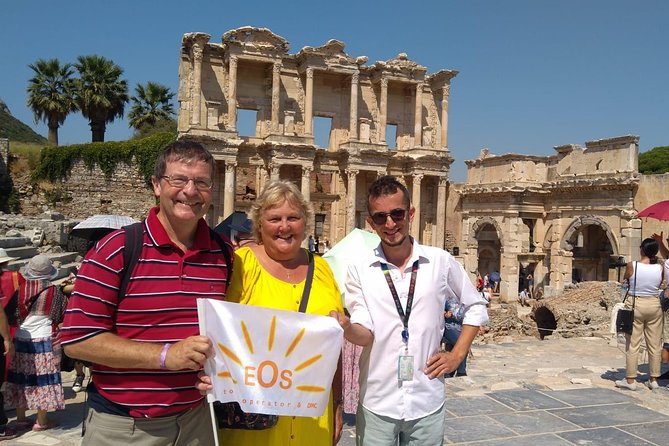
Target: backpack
134 240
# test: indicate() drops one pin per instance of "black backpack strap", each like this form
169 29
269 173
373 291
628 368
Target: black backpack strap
225 247
307 283
134 241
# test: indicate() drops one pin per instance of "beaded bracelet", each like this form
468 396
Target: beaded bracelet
163 356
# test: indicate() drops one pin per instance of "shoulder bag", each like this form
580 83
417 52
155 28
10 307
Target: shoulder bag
230 415
625 316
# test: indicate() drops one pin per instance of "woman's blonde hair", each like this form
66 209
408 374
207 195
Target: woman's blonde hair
274 194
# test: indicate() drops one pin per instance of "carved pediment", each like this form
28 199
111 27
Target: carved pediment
256 39
401 65
332 53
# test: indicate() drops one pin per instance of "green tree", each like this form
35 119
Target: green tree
151 105
101 93
654 161
51 94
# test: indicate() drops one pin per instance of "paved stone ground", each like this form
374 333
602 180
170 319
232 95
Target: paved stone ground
518 392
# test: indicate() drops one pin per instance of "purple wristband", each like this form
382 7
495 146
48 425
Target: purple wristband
163 356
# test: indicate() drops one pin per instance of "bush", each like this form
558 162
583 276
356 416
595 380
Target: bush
56 162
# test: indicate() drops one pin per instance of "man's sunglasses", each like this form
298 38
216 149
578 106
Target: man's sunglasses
397 215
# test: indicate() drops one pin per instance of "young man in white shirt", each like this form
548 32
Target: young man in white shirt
396 296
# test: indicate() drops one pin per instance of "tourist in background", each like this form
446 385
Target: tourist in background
270 275
40 307
454 311
645 278
664 251
10 281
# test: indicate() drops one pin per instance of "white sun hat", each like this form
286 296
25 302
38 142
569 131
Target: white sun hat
4 258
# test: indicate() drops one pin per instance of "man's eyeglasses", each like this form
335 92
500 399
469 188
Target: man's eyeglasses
380 218
180 182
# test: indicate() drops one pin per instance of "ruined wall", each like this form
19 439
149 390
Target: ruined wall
652 188
86 192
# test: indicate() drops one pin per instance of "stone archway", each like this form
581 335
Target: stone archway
488 238
592 244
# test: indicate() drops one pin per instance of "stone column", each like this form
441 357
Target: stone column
274 170
415 201
353 121
418 117
229 189
441 211
216 208
261 178
306 182
383 110
198 52
444 115
232 94
309 103
351 199
276 90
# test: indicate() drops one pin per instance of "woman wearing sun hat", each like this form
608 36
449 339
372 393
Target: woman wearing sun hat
34 380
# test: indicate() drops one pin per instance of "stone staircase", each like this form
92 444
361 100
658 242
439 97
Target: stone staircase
23 248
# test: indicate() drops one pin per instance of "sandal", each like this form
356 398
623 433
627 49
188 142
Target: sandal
42 427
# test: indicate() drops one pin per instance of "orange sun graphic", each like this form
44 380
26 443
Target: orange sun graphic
227 374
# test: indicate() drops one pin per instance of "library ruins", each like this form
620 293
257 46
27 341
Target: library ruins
333 123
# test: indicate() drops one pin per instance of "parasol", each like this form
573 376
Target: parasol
97 226
658 211
347 250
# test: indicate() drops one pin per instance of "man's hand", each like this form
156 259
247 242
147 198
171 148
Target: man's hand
441 363
191 353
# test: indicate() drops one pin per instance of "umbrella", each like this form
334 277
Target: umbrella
235 219
348 250
97 226
658 211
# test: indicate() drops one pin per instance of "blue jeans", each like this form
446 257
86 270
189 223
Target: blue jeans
451 335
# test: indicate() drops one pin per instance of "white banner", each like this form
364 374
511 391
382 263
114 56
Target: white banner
270 361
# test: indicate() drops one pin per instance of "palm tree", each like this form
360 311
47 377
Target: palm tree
151 105
101 93
51 94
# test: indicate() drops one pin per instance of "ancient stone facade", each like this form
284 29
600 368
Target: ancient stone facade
565 218
384 118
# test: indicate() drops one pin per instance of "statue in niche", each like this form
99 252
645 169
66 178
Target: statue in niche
364 130
289 123
427 136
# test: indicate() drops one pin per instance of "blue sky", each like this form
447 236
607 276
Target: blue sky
533 73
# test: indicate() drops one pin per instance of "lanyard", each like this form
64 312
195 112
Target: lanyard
393 291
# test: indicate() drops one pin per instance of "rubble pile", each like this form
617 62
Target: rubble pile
580 310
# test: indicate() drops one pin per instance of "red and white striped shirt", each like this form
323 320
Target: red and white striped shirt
159 306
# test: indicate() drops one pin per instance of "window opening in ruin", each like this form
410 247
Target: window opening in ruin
319 221
322 131
246 122
391 136
530 223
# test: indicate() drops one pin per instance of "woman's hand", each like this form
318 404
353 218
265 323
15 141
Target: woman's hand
203 383
344 321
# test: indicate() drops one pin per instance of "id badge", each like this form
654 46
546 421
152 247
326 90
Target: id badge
405 368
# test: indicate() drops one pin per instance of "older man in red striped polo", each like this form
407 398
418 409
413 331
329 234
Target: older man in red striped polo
144 345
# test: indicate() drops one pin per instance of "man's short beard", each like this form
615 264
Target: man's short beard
392 245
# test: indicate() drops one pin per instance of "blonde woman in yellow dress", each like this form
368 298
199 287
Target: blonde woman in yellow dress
272 275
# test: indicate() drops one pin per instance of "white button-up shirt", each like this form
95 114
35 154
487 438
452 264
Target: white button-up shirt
370 303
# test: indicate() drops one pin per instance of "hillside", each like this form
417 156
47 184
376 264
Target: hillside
15 130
